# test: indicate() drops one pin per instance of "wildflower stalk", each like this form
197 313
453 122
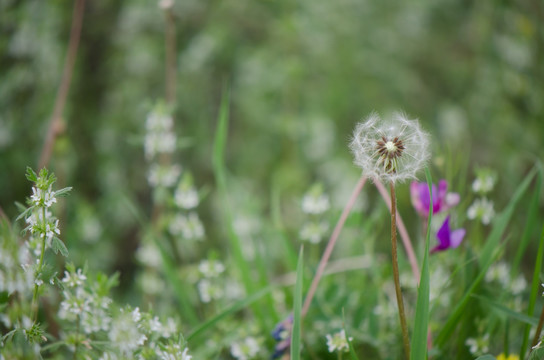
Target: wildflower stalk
78 326
38 272
330 245
402 315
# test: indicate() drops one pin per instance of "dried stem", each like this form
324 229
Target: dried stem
538 329
60 101
330 245
170 43
402 230
400 303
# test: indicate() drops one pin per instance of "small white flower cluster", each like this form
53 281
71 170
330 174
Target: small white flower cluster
314 203
132 331
338 341
14 263
482 207
81 304
159 137
186 223
210 287
478 346
245 349
501 273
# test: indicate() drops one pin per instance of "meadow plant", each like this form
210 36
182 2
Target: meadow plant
392 151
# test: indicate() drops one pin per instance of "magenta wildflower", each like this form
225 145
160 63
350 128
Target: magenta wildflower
448 239
442 200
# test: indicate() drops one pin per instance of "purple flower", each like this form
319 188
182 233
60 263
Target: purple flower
442 200
448 239
282 334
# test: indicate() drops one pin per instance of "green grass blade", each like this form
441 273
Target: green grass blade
180 292
508 312
295 335
486 357
419 337
535 290
501 221
489 252
237 306
219 169
532 217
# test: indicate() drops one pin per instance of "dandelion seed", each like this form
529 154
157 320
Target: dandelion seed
393 150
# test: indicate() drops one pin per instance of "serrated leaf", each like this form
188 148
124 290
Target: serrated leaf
31 175
58 246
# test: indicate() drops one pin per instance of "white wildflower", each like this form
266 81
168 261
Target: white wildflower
313 231
338 341
125 333
393 150
189 227
315 201
481 209
211 268
173 352
165 176
245 349
478 346
209 291
186 198
73 280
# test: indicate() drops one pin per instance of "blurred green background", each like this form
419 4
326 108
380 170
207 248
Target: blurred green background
301 74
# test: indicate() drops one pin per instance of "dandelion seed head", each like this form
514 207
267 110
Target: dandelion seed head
392 150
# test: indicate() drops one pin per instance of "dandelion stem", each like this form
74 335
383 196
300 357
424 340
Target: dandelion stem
402 315
330 245
402 230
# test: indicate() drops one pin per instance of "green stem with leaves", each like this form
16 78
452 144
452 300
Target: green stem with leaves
400 303
38 272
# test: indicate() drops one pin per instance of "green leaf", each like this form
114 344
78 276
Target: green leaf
421 326
508 312
295 335
63 192
31 175
58 246
535 291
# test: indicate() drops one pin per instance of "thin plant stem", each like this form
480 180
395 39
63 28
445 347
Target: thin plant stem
402 315
38 271
402 230
77 337
170 44
538 329
55 126
330 245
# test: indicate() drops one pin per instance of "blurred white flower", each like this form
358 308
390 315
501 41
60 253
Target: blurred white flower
209 291
211 268
165 176
478 346
186 198
245 349
392 150
189 227
338 341
313 231
481 209
315 201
